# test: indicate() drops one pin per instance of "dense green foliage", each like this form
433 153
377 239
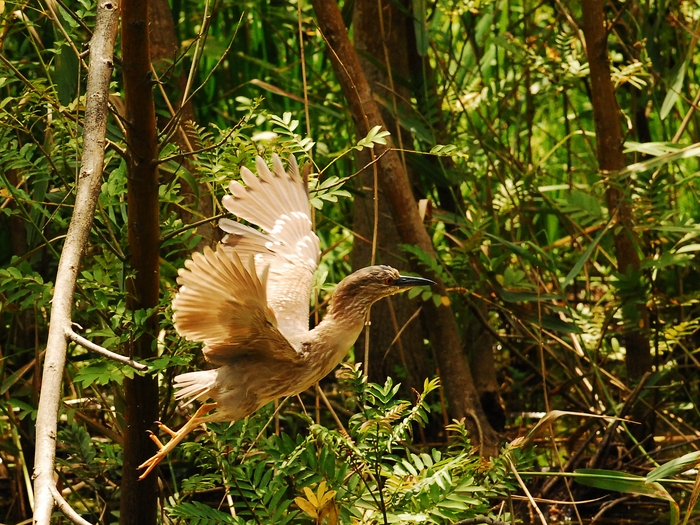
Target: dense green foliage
366 474
519 220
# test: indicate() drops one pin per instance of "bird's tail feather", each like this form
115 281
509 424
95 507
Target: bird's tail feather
194 385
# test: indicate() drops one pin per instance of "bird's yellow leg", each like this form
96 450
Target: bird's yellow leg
176 437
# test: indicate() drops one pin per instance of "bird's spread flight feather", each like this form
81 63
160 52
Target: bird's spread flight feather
222 302
277 202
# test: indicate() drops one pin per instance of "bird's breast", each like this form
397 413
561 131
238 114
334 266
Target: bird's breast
326 346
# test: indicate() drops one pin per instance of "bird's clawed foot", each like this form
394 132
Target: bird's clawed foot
175 438
163 449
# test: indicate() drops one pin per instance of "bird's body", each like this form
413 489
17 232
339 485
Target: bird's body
248 302
262 368
245 385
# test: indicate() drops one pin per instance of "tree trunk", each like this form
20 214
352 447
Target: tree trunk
163 48
380 31
444 334
139 498
611 159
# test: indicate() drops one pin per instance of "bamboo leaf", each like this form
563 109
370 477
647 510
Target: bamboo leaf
526 297
627 483
583 259
675 466
620 482
688 248
674 90
684 153
420 23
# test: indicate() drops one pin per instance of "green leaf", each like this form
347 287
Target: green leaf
655 149
627 483
554 323
674 90
375 136
443 150
688 248
619 482
675 466
688 152
201 514
66 74
420 24
24 408
519 250
582 260
185 175
678 229
667 259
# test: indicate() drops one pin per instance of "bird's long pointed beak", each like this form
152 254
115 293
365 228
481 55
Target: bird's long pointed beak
406 281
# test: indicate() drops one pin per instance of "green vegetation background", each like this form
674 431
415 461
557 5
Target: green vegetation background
530 246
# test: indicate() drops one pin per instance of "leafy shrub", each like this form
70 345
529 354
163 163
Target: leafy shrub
373 472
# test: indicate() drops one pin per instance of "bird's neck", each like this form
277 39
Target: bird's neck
340 328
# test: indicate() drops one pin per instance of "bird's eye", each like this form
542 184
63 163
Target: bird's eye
388 280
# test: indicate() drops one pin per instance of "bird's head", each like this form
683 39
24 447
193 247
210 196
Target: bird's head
366 286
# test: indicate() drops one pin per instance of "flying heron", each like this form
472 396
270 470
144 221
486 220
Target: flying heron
248 302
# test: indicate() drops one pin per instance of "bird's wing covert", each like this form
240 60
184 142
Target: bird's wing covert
276 201
222 303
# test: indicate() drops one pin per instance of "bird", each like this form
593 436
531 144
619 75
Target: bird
248 299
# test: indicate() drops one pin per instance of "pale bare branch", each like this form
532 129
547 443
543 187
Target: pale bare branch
88 189
85 343
67 510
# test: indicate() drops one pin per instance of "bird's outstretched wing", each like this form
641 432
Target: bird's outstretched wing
222 303
276 201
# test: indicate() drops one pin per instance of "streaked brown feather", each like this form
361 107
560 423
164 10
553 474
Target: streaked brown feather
223 304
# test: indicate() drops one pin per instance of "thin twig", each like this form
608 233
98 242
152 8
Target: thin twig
303 72
54 18
398 334
32 88
608 505
183 155
201 39
378 470
331 409
345 179
78 20
174 122
189 227
481 520
68 511
279 407
527 492
85 343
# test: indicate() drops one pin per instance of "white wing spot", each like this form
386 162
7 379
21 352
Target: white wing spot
279 225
